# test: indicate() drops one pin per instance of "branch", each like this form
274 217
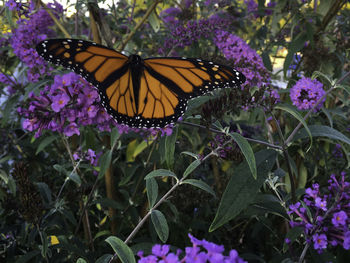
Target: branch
144 18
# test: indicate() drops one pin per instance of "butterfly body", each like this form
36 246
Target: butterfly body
138 92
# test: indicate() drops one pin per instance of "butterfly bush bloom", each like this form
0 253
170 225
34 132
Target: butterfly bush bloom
201 251
306 92
29 32
185 34
64 107
245 59
325 217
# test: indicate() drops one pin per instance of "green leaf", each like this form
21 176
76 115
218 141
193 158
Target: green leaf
296 45
195 156
154 21
123 252
114 136
45 192
9 181
296 115
170 148
75 178
316 74
59 168
242 188
139 148
195 103
45 244
160 173
246 150
266 60
322 131
160 224
81 260
104 259
191 168
152 191
329 117
105 162
44 143
200 184
8 109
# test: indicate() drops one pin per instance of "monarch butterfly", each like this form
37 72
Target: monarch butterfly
138 92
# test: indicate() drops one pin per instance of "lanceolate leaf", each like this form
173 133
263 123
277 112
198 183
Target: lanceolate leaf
296 114
121 249
160 224
159 173
243 188
246 150
152 191
322 131
200 184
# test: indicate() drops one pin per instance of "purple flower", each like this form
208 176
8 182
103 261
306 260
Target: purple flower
346 243
321 203
213 254
59 101
321 225
160 250
71 129
339 219
306 92
320 241
245 59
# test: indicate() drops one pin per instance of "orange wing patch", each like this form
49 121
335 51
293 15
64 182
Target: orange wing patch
155 99
107 68
121 95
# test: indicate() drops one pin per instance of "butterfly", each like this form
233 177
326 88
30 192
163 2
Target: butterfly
143 93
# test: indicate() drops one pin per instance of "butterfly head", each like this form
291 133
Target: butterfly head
135 60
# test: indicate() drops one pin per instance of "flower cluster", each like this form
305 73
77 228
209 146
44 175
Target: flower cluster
225 148
212 254
10 83
183 35
31 31
306 92
64 106
325 218
89 155
245 59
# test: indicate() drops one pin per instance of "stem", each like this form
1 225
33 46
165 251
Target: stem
140 224
142 21
221 132
85 205
302 256
60 26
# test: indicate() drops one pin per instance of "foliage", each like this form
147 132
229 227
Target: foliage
261 172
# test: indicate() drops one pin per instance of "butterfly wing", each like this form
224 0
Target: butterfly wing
106 69
190 78
168 83
147 93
